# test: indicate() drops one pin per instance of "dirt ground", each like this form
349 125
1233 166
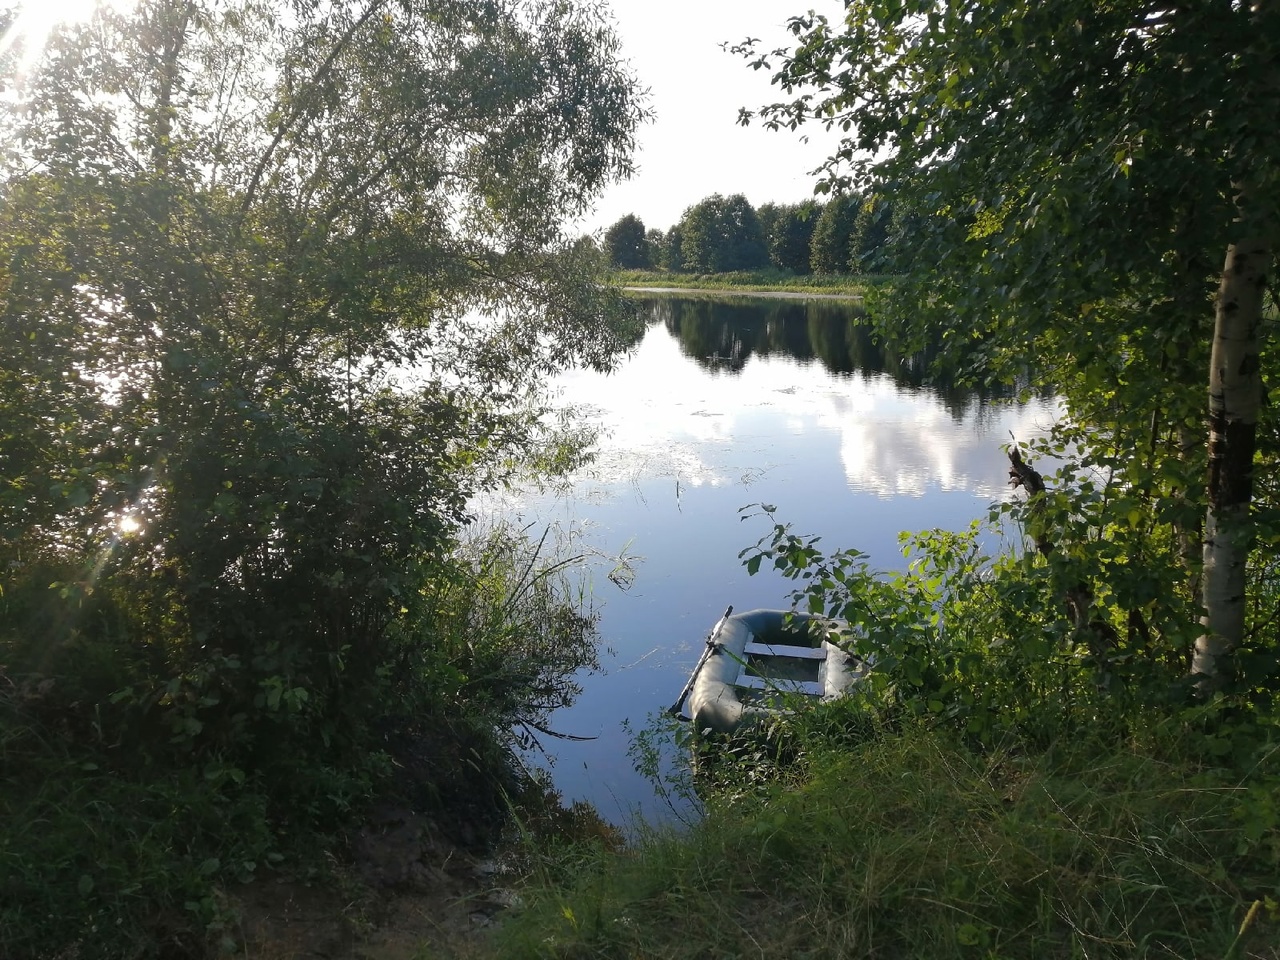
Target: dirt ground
410 894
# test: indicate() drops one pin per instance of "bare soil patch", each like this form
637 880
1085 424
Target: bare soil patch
408 892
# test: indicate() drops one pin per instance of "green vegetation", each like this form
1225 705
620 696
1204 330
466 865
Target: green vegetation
1105 230
274 278
833 235
748 281
278 282
1070 748
788 229
853 234
909 845
722 235
626 245
992 790
124 825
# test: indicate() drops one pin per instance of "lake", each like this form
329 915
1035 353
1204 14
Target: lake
722 405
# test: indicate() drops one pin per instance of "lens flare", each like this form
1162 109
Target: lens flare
33 22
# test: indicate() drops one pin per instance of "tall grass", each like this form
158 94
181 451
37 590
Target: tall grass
95 864
753 280
910 845
118 838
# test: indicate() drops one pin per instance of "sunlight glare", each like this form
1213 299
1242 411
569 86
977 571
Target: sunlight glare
36 20
129 525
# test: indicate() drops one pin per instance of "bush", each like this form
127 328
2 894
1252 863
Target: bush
139 777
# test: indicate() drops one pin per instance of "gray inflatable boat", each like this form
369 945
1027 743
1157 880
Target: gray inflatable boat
754 661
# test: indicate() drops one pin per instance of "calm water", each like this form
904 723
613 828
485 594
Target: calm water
723 405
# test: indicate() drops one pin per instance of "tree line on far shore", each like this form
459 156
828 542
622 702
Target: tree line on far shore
851 233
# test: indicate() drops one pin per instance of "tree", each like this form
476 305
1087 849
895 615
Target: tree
830 243
788 234
625 244
1079 169
769 216
655 242
722 234
673 250
279 281
870 238
745 248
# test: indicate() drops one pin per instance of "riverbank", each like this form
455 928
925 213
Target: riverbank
749 282
301 830
974 798
911 844
858 842
718 292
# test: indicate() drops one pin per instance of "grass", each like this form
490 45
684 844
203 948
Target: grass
912 846
120 839
751 280
95 864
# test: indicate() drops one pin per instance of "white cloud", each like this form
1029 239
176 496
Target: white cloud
712 429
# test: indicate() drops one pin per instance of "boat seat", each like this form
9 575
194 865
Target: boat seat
813 689
786 650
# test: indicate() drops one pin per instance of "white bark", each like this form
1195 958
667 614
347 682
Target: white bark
1235 393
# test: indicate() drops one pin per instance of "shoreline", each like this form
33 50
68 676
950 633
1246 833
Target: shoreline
774 294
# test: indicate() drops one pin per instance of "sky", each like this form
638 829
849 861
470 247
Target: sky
695 147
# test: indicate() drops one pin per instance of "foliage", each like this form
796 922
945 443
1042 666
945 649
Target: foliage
510 631
247 392
767 215
279 283
909 845
831 241
657 244
213 290
789 232
855 236
1115 176
986 644
144 809
672 258
880 234
751 280
720 235
626 244
1088 225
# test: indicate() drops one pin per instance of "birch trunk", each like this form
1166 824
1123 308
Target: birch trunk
1235 393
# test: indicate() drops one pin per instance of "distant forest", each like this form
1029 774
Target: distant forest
850 234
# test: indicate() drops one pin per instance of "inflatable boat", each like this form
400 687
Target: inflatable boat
755 661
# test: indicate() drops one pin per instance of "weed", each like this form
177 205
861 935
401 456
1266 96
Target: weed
911 845
751 280
133 793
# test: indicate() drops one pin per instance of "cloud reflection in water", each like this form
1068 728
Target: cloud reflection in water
667 414
722 405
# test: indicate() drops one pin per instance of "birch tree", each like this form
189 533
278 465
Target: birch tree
1075 172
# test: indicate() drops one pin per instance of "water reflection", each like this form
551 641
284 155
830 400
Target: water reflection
719 391
723 336
724 404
